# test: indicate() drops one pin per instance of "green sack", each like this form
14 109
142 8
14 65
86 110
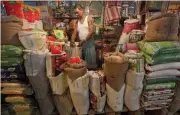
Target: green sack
11 61
160 86
155 49
161 59
11 51
161 80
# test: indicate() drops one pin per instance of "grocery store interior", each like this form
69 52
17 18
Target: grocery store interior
76 57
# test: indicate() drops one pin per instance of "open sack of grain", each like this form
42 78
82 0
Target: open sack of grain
162 27
97 88
115 69
78 81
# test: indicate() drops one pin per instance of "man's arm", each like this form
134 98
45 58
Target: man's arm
90 28
74 34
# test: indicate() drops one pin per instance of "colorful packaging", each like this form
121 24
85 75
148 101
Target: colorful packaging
14 8
28 13
13 69
36 13
11 51
13 61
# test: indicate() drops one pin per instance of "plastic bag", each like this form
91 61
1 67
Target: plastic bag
28 13
11 51
14 8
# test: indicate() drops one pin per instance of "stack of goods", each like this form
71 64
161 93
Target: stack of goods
134 80
130 24
30 15
54 67
78 81
162 68
35 64
115 68
97 87
15 88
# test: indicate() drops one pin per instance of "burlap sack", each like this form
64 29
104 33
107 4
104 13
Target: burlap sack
162 27
9 33
115 68
64 103
75 71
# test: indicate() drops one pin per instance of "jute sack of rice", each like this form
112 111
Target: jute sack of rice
75 71
162 27
115 68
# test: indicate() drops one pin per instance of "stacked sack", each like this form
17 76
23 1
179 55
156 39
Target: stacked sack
15 88
134 80
35 64
78 82
115 68
30 15
162 68
130 25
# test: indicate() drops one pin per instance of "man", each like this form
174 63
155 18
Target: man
85 30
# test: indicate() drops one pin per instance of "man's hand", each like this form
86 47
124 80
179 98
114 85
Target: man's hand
82 42
72 43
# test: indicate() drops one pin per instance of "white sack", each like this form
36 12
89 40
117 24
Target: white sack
169 72
58 84
173 65
134 79
79 90
33 40
132 98
115 99
94 86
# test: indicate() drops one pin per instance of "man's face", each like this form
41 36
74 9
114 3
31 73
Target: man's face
79 12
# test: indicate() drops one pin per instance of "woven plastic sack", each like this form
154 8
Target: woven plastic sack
17 91
132 98
155 49
173 65
134 79
14 8
115 99
168 72
58 84
13 61
79 91
162 59
33 40
97 87
11 51
160 86
19 99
